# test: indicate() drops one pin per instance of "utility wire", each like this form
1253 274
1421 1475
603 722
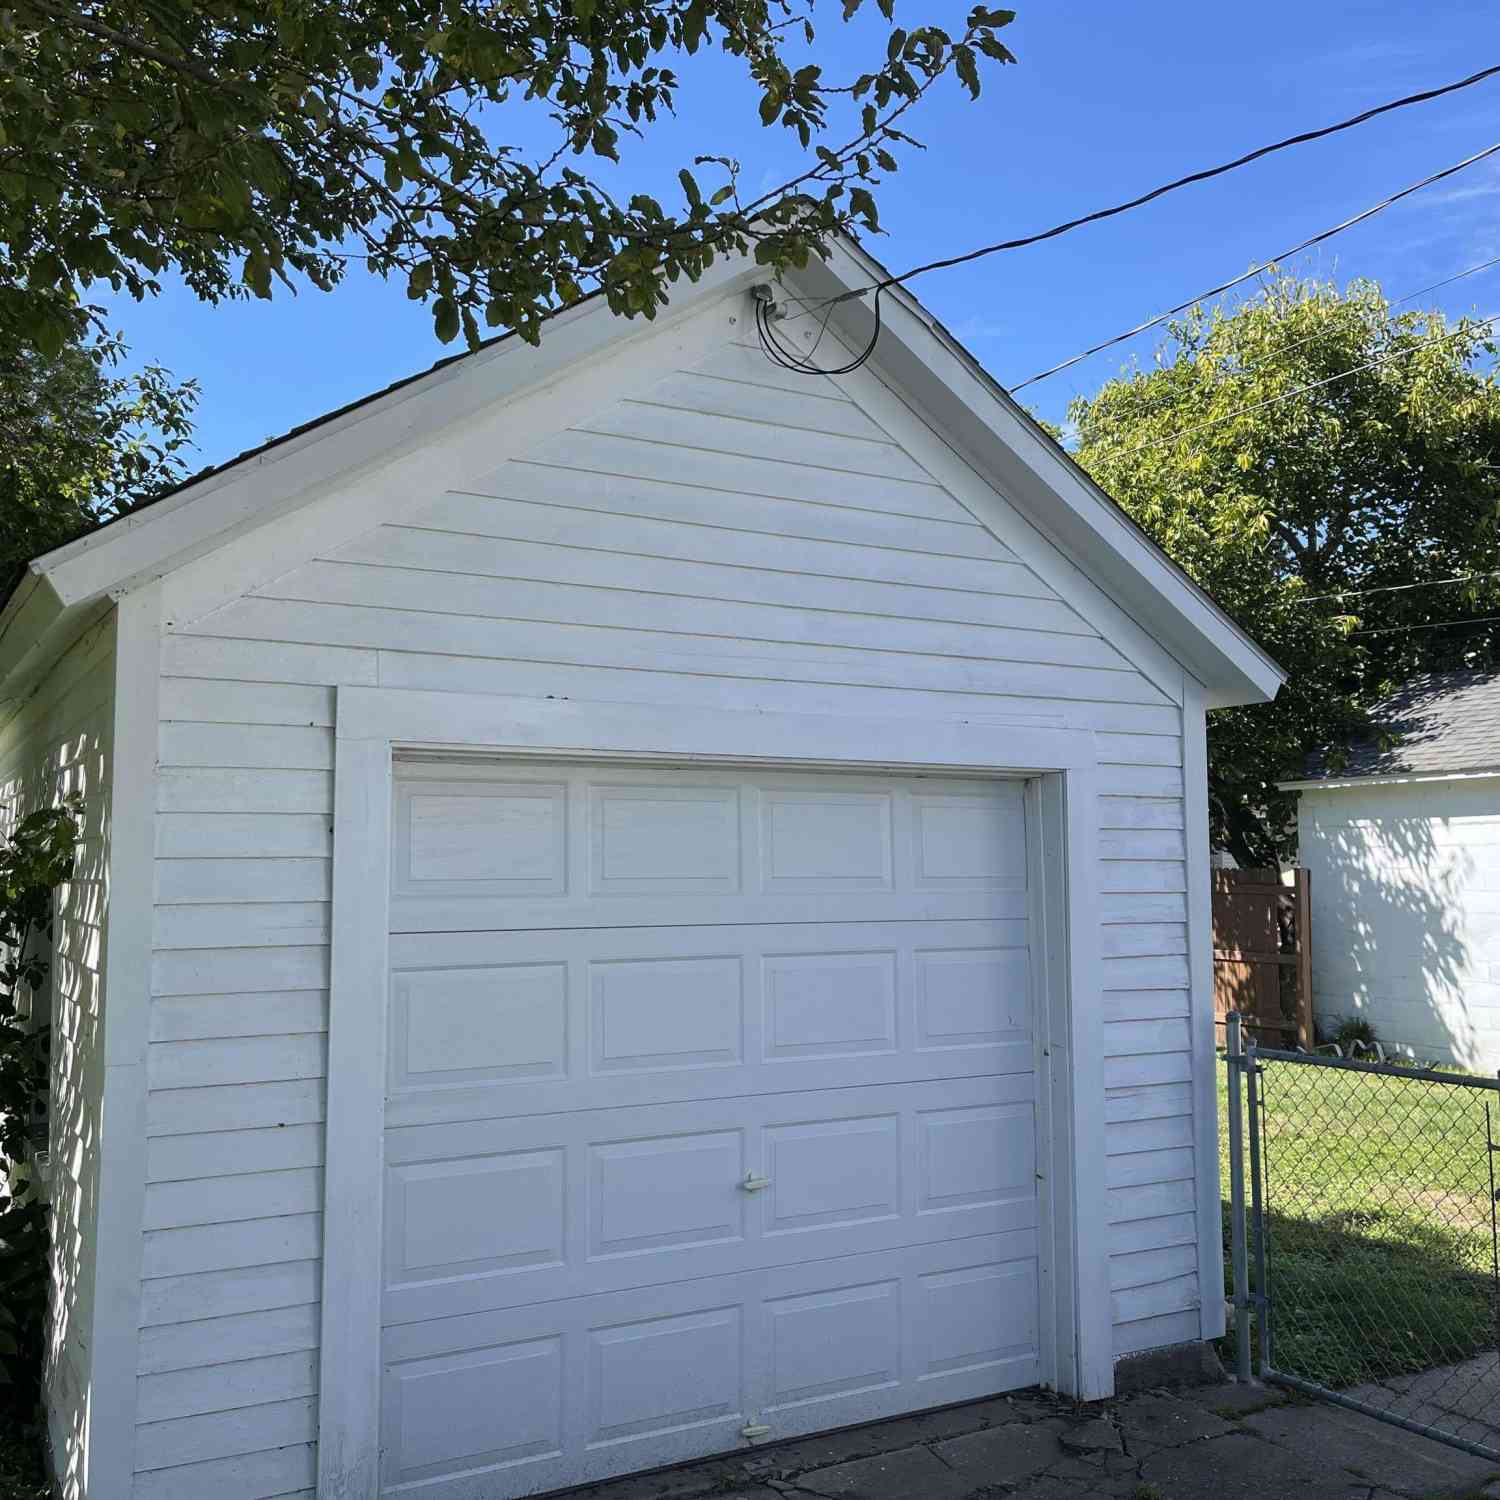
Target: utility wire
1399 588
1193 177
771 344
1145 408
1256 270
1431 625
1302 390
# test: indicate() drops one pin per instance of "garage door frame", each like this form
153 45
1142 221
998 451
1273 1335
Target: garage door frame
374 725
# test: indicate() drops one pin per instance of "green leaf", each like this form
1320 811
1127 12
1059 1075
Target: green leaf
445 319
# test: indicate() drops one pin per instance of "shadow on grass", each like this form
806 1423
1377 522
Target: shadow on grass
1368 1295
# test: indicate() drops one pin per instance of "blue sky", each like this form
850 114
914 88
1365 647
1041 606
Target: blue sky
1106 101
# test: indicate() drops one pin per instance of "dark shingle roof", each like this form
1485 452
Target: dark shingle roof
1440 722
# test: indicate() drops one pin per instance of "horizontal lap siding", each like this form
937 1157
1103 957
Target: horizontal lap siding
1150 1174
57 745
629 563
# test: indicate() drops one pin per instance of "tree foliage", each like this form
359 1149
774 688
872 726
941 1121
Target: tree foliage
36 859
81 443
241 144
1312 443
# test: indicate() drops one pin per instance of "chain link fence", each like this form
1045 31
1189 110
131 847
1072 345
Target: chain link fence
1367 1247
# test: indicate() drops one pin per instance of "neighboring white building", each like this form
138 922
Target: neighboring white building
1403 846
634 903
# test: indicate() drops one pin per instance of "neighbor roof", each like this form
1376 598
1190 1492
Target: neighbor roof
1440 723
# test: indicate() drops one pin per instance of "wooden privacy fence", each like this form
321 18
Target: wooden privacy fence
1263 954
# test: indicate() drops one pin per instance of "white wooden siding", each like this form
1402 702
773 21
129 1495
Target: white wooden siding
57 744
653 555
1405 889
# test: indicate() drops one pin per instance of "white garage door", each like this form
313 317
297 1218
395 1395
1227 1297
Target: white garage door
711 1114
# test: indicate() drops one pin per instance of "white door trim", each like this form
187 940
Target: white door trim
373 724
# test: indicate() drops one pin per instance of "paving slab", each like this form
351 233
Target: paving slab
1093 1435
889 1476
1231 1442
1004 1455
1239 1466
1374 1450
1162 1421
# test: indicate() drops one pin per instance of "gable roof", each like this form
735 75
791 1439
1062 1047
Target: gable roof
1438 724
66 589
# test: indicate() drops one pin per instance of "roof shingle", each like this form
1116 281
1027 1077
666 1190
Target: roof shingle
1440 722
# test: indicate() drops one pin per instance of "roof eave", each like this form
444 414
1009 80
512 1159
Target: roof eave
1387 778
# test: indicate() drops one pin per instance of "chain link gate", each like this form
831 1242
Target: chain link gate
1365 1264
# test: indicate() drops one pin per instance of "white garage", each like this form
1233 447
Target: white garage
633 904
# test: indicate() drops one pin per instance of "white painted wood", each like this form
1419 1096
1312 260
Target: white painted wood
122 1129
1081 1038
837 622
960 399
508 376
451 720
557 1042
1205 1058
578 494
245 843
349 1355
58 742
591 643
705 733
589 567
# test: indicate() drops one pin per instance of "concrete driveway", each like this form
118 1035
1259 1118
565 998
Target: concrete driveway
1215 1442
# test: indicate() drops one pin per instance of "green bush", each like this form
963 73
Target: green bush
37 858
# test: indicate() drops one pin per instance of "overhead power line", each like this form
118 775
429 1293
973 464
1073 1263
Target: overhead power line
1399 588
1193 177
1302 390
796 360
1145 408
1256 270
1429 625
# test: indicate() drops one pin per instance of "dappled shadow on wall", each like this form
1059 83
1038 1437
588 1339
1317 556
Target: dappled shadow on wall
74 768
1401 915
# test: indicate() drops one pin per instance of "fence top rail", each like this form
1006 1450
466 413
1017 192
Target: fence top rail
1359 1065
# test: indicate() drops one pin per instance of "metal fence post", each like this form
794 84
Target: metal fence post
1263 1364
1234 1039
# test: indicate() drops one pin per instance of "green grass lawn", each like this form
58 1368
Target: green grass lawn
1379 1229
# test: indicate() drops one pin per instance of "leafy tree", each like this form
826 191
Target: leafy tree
1295 453
241 143
34 859
80 443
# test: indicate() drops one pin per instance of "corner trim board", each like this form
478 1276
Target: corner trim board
1201 1009
127 946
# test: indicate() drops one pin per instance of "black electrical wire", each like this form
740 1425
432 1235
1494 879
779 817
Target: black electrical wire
801 364
1302 138
790 359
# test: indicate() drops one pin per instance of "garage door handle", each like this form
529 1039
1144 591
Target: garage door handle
753 1430
753 1184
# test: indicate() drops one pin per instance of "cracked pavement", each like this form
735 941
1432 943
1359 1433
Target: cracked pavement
1213 1442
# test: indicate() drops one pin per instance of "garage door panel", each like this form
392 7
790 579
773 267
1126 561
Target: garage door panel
499 1213
651 908
618 1015
475 849
458 1105
583 1387
711 1101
